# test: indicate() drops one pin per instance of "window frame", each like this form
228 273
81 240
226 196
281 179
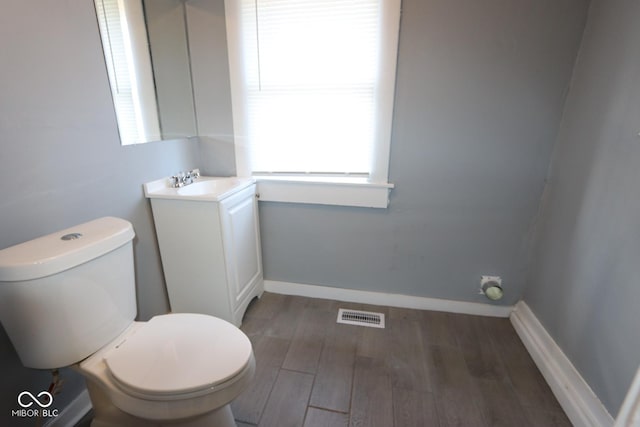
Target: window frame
371 190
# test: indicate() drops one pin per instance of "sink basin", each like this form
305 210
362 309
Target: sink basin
209 187
205 188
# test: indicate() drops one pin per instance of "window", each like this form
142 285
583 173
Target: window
312 90
124 41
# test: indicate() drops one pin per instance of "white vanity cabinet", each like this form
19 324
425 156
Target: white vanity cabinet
210 252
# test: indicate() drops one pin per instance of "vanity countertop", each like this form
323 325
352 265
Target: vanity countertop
204 188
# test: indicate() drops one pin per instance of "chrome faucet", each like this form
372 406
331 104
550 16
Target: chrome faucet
184 178
192 175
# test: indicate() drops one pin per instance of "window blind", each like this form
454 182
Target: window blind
310 77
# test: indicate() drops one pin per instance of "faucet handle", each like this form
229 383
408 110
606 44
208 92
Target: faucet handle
177 180
184 178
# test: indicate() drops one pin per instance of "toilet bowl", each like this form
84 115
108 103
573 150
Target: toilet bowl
77 287
174 367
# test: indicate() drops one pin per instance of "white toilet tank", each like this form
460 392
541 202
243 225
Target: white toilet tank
65 295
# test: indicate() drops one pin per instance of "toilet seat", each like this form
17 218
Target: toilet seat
177 356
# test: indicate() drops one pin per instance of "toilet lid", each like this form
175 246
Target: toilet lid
179 353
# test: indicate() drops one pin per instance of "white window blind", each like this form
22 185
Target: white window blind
125 45
312 84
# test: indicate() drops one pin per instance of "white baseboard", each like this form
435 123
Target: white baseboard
392 300
629 415
73 412
579 402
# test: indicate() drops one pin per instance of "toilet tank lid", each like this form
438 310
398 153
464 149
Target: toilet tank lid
56 252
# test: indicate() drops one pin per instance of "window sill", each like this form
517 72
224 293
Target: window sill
340 191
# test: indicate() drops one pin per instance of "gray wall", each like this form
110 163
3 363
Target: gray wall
61 162
479 95
583 283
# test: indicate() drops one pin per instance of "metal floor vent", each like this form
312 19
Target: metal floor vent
361 318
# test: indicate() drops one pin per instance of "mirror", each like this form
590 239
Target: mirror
146 53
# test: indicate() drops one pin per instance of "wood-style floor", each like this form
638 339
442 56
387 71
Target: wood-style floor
424 369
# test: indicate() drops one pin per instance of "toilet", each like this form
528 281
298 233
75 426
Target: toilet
68 299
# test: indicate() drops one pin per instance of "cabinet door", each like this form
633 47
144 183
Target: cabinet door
241 240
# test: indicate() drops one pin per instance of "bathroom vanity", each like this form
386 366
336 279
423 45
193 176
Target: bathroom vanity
209 240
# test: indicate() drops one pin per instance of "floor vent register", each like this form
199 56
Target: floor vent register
361 318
